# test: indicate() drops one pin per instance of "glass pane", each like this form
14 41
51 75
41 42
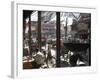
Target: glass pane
30 19
34 31
48 37
75 39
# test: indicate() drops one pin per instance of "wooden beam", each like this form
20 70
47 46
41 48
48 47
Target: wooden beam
90 43
30 49
39 29
24 27
58 39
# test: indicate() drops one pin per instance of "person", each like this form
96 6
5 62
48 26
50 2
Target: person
38 59
51 60
74 58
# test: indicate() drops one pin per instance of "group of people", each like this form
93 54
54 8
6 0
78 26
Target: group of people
46 57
